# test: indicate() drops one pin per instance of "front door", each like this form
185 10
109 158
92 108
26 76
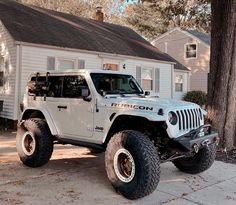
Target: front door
72 115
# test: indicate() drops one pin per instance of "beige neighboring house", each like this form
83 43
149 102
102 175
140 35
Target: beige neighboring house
192 49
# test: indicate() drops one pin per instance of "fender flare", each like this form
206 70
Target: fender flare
156 117
46 115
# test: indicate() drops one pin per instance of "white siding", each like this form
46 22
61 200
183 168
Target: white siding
8 50
34 59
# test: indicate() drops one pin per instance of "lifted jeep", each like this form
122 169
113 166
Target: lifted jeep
108 111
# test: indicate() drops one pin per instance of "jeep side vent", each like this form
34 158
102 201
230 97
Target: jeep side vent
188 119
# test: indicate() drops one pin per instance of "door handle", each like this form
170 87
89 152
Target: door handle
62 107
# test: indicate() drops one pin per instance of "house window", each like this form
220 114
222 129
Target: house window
64 64
147 78
109 66
179 83
191 50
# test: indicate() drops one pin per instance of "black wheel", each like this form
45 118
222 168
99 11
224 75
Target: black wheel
199 162
34 142
132 164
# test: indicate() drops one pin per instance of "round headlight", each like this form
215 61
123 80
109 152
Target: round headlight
172 117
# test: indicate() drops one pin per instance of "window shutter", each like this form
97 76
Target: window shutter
51 63
1 78
6 75
138 74
81 64
1 71
157 80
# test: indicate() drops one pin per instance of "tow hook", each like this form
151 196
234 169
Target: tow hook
196 148
206 142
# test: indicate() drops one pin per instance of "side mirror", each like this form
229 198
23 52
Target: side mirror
103 93
85 94
146 93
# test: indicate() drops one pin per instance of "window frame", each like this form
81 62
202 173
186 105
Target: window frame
179 91
156 82
185 50
152 83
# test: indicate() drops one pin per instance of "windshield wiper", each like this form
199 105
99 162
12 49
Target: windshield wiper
122 93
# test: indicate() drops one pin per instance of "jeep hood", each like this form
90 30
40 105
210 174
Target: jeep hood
151 104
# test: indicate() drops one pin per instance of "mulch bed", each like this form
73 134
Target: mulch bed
226 156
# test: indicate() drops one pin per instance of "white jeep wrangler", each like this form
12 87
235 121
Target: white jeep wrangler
108 111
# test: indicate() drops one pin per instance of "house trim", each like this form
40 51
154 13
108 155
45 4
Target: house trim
90 52
179 29
182 71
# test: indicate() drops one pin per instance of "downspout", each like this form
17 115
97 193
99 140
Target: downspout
18 81
172 81
188 87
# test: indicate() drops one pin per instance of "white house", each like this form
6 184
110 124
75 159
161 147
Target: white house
35 39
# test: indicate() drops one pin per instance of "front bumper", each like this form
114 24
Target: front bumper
193 141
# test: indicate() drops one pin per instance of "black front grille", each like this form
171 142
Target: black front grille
189 119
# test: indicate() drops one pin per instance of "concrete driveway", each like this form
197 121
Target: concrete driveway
74 176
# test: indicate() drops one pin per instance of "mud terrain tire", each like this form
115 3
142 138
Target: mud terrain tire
34 142
199 162
134 151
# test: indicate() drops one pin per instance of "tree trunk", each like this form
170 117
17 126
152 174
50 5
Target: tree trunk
222 76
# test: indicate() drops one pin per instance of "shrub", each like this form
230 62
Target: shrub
198 97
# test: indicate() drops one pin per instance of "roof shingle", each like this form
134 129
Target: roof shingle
41 26
200 35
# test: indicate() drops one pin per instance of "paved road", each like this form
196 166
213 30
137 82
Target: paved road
74 176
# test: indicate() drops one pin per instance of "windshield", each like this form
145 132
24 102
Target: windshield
115 84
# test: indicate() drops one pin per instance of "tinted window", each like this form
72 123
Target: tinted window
57 86
115 83
73 86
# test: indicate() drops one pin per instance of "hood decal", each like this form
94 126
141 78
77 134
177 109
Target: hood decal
138 107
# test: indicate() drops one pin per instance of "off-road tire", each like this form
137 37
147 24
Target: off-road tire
43 142
146 160
199 162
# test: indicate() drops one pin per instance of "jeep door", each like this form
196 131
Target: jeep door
72 115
